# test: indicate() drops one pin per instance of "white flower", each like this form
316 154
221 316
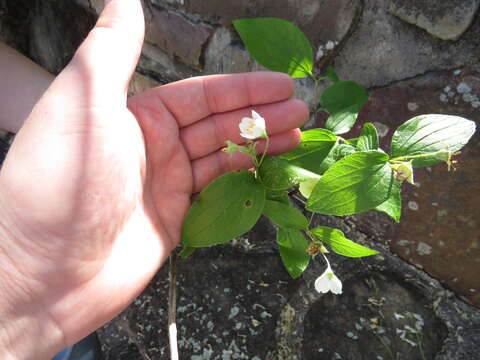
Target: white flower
328 281
254 127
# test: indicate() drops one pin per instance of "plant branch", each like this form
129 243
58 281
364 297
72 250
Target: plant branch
172 307
267 143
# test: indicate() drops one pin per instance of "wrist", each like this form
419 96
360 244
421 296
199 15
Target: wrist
27 331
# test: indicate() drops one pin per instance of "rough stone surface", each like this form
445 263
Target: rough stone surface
335 16
446 20
53 43
177 36
237 300
234 58
168 2
14 29
49 43
93 5
140 83
162 66
384 49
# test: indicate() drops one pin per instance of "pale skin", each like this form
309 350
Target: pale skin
95 187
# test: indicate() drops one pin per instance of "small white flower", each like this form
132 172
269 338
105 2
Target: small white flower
254 127
328 281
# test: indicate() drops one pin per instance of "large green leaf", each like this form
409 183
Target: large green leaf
393 206
429 134
228 207
293 251
279 174
277 44
368 139
357 183
340 244
343 100
312 150
285 216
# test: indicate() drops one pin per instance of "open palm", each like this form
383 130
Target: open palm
95 188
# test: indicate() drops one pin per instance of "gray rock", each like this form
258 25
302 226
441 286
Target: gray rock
163 66
447 20
140 83
177 36
223 56
384 49
168 2
54 39
94 5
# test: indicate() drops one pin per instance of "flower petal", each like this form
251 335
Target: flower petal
322 284
335 285
328 281
246 128
255 115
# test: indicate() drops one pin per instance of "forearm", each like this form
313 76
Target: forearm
23 83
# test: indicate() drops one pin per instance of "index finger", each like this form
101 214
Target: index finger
193 99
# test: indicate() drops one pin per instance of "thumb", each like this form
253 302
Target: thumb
108 56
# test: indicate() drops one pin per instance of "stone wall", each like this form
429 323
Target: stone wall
236 301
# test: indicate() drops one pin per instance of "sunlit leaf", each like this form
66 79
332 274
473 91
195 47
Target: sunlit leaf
293 251
343 100
285 216
277 45
228 207
358 182
430 134
340 244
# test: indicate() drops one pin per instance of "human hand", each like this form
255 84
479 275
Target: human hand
95 188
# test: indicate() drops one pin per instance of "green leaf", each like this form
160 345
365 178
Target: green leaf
186 252
338 152
279 174
432 133
340 244
228 207
393 206
284 215
332 75
278 195
352 141
314 147
277 45
368 139
357 183
343 100
293 251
